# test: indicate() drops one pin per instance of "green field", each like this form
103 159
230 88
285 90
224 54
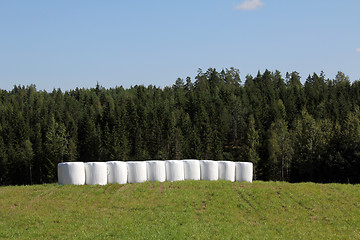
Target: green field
181 210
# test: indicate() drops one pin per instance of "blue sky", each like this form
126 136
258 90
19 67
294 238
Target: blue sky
68 44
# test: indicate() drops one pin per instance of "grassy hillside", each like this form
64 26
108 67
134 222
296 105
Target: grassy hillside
181 210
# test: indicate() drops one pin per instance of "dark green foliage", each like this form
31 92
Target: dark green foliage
289 130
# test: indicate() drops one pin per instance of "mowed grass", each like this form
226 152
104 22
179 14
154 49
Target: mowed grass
181 210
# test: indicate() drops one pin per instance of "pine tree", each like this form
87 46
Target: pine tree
253 144
3 161
56 148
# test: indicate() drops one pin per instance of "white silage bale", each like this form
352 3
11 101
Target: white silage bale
244 171
191 169
174 170
226 170
117 172
209 170
136 172
96 173
71 173
156 171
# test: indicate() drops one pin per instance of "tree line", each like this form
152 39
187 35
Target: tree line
290 131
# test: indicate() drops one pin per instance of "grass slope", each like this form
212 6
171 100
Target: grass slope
181 210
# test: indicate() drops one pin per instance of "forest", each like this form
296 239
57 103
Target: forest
291 130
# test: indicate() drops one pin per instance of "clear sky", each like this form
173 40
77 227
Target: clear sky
67 44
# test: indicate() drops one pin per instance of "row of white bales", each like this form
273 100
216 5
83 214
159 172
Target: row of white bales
101 173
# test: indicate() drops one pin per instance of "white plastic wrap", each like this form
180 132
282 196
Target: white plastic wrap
136 172
209 170
156 171
117 172
174 170
71 173
191 169
226 170
96 173
244 171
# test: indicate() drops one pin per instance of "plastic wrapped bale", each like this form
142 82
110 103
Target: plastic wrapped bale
244 171
117 172
156 171
174 170
226 170
96 173
191 169
209 170
71 173
136 172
